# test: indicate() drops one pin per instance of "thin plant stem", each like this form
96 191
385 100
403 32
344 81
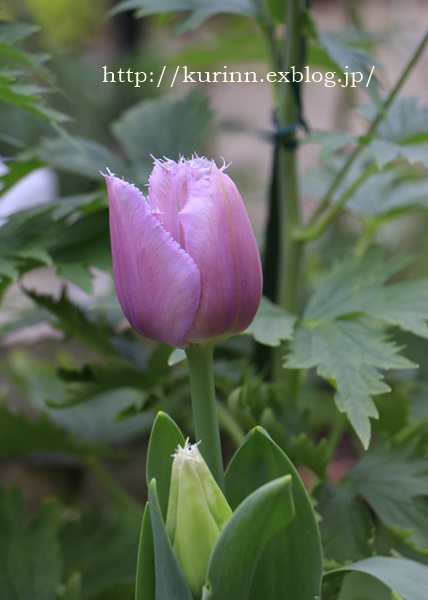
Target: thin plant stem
205 417
325 202
119 495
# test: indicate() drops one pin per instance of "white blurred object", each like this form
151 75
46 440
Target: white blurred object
38 187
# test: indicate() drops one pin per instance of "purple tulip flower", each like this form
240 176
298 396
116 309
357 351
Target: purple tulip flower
185 260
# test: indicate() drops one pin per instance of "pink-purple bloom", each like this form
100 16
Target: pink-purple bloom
185 260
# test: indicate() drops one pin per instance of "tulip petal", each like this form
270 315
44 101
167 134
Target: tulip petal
217 234
158 284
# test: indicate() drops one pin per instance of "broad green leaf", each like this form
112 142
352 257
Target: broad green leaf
395 485
145 584
348 352
170 580
359 586
164 440
345 525
264 513
297 576
405 577
272 324
30 567
164 127
103 550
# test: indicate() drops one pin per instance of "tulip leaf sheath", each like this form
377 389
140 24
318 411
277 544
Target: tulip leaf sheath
185 260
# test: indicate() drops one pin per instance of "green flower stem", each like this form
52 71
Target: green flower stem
122 498
200 361
325 202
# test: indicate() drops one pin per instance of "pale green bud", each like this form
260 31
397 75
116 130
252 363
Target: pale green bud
197 512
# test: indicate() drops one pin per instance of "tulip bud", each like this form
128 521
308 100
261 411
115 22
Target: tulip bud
185 260
197 512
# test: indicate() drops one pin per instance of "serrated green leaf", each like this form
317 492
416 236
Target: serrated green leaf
395 485
346 526
385 153
314 456
94 420
82 157
272 324
13 31
360 287
103 550
347 352
20 435
353 60
264 513
331 141
336 337
73 321
198 10
27 551
162 127
406 577
405 122
298 574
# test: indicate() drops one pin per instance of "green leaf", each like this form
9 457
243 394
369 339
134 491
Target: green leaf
162 127
19 435
82 157
402 507
30 568
145 584
94 420
272 324
297 575
170 580
346 526
164 440
347 352
405 577
198 10
72 590
405 122
103 550
262 514
353 60
385 153
315 457
74 322
346 348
